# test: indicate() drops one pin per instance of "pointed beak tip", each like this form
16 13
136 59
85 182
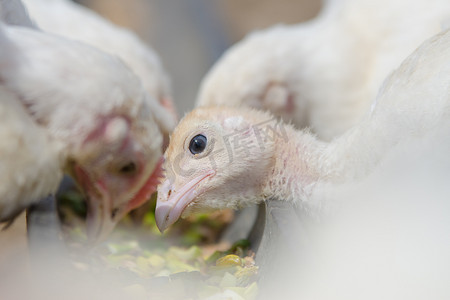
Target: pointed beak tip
98 230
162 212
161 229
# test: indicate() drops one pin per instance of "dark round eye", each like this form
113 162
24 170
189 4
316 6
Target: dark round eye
129 168
197 144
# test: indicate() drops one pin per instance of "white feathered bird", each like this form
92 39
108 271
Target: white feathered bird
71 20
97 108
325 73
222 157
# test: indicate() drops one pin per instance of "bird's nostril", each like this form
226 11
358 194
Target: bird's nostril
169 193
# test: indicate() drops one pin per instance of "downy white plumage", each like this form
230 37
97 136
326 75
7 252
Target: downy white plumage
13 12
97 108
222 157
30 163
71 20
325 73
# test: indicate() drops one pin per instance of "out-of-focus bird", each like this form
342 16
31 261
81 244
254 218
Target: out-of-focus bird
388 235
30 163
325 73
222 157
71 20
74 21
96 107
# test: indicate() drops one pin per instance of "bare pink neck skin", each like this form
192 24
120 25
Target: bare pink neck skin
305 169
296 168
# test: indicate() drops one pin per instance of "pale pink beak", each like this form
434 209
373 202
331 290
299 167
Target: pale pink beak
171 204
99 221
102 216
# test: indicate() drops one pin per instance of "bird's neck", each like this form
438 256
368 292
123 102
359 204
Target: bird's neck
296 168
304 166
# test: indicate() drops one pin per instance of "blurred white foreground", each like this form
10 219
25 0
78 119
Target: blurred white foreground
390 238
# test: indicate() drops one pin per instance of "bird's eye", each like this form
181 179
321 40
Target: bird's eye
197 144
129 168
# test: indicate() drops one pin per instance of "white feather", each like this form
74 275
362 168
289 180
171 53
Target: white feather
30 163
330 68
68 19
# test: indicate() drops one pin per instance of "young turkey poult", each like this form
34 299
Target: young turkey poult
93 105
324 73
75 21
222 157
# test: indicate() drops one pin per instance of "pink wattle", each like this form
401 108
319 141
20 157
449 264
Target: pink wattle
148 188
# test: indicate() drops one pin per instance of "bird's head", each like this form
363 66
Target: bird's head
94 105
217 158
117 167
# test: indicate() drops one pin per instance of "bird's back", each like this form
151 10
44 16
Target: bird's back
76 22
330 68
418 92
66 85
413 101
